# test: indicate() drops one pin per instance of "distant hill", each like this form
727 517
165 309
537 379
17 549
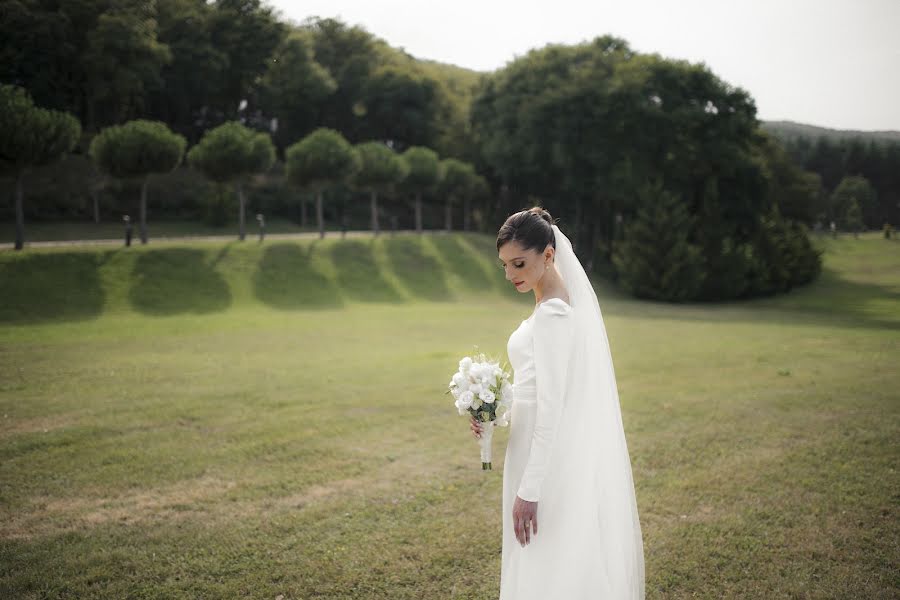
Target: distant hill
788 130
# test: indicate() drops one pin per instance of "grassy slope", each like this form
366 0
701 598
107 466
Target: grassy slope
227 420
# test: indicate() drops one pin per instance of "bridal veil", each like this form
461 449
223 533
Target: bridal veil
594 533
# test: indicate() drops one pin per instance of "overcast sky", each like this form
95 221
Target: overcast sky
834 63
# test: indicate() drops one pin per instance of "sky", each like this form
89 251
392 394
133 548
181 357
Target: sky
832 63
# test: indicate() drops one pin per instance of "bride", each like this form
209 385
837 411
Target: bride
570 521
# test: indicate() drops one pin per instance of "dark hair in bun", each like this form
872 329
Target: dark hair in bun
530 228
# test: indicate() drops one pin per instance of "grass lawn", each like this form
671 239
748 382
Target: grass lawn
226 420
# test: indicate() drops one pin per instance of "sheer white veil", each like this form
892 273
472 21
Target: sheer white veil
592 431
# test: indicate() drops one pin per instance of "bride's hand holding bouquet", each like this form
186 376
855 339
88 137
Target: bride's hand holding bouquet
481 388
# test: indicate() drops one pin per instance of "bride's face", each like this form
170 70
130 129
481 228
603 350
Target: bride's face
524 268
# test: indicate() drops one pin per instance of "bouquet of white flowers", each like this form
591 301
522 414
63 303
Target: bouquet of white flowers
480 388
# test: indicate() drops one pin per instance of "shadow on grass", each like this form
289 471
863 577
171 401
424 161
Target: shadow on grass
177 280
462 261
287 279
57 286
221 255
830 301
487 247
358 275
832 296
422 275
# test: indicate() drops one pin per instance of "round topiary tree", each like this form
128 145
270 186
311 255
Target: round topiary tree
137 150
231 153
321 160
380 169
30 137
423 174
458 181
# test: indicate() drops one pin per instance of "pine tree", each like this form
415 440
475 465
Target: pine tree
655 260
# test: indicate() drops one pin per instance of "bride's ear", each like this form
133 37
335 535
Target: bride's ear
552 253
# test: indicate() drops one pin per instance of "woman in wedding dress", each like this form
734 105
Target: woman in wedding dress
570 520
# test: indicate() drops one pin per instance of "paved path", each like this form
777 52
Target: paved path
212 238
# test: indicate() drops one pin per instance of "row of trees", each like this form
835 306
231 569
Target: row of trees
229 155
850 165
605 137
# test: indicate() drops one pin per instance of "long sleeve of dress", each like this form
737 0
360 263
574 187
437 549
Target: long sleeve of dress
552 337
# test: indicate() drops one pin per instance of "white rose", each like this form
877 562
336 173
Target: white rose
488 397
466 398
458 378
476 388
465 364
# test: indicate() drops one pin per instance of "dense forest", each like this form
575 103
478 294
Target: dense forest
662 172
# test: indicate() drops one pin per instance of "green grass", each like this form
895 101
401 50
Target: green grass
233 420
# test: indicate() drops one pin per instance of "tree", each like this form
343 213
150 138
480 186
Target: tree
796 192
655 260
30 137
458 182
37 53
321 160
248 32
423 174
136 150
349 54
380 170
480 192
782 255
295 88
402 106
852 188
231 153
853 218
190 80
123 61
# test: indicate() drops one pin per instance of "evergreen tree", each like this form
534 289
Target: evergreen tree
380 169
422 175
783 256
323 159
232 153
30 137
853 218
655 260
135 151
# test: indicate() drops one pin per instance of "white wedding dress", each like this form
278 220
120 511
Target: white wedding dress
566 451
